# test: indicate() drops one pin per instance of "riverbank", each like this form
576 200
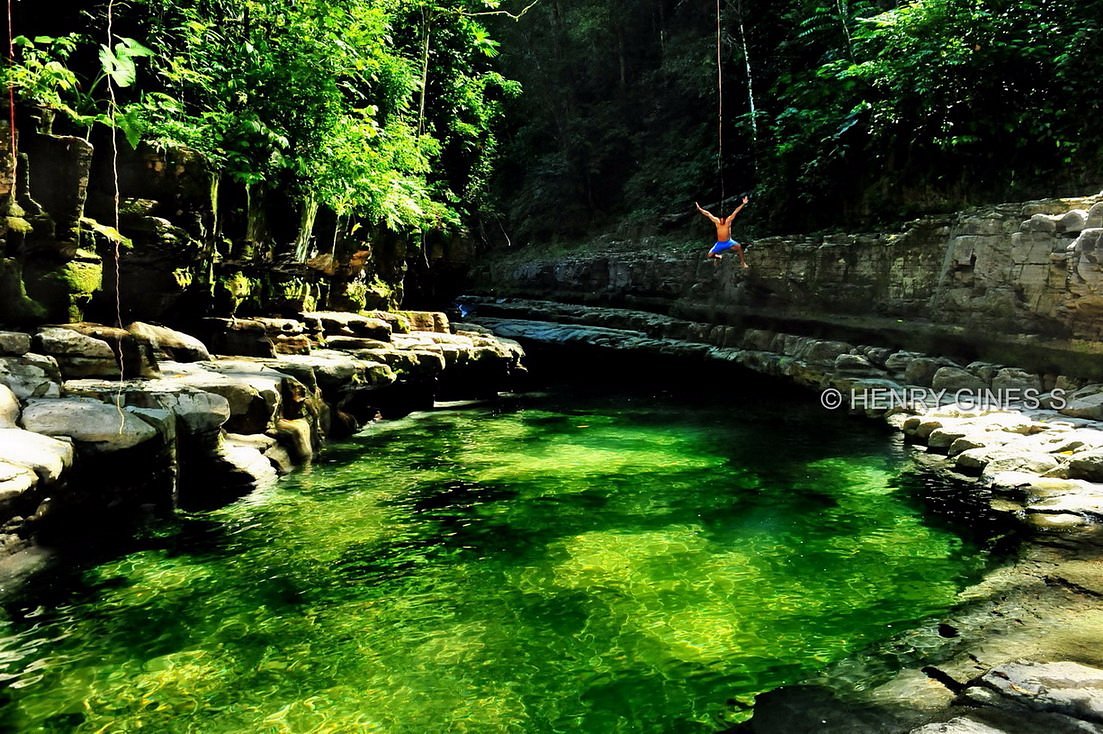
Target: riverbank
100 426
1033 440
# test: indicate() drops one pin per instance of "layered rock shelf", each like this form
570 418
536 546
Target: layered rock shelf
1020 653
98 421
1015 283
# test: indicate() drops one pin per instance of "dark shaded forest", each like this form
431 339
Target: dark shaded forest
564 118
836 113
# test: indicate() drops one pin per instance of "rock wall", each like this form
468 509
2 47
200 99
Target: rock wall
1015 283
82 445
177 244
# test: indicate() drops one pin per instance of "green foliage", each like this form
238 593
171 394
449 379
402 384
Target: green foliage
327 97
118 63
41 77
935 103
866 109
383 110
39 74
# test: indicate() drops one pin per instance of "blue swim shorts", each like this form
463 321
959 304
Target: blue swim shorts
723 247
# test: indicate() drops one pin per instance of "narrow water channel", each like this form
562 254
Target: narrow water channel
613 563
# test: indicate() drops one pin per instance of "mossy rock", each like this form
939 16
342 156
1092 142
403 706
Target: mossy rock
294 295
183 277
400 323
18 225
234 289
91 235
349 296
67 289
16 307
380 295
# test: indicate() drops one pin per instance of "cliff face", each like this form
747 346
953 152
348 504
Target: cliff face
179 243
1020 283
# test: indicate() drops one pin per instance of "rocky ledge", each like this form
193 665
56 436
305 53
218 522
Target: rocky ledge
99 422
1021 652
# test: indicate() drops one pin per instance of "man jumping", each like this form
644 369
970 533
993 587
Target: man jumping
724 241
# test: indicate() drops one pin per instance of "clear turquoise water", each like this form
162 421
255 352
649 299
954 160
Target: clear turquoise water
610 564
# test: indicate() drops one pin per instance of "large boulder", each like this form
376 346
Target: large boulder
93 426
427 321
341 323
1095 216
954 379
1011 380
136 351
334 370
198 412
92 350
9 407
921 370
237 337
1087 465
349 343
31 376
171 344
1087 402
252 390
14 343
15 480
77 355
47 457
244 468
1067 688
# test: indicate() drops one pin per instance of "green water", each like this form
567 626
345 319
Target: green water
609 565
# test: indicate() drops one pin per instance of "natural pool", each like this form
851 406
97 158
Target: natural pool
631 563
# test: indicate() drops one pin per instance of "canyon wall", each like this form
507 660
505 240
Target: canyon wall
1015 283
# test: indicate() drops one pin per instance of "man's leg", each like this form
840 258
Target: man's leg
742 262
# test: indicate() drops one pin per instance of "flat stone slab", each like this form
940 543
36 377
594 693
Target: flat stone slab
1063 687
94 425
959 725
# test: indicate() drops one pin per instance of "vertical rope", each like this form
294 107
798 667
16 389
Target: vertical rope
11 89
115 201
719 109
750 78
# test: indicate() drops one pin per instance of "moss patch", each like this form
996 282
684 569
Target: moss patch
234 289
18 225
16 307
99 237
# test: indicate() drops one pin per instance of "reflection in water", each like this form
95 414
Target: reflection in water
608 565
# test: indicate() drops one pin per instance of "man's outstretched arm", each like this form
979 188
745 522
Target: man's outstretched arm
737 210
707 213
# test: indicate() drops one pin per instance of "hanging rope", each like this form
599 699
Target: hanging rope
115 201
750 78
719 109
11 86
114 172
